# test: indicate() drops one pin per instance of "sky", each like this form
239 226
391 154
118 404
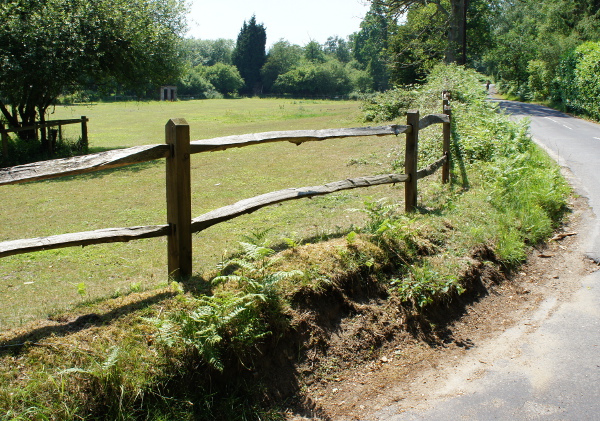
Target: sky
298 22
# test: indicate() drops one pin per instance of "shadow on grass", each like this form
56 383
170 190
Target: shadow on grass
131 169
85 321
458 160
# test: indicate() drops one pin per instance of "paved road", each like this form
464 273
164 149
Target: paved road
552 372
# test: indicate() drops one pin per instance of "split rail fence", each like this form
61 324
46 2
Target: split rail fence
51 136
177 151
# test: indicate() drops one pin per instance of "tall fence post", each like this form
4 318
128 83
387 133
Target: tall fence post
179 208
84 134
4 141
446 132
410 161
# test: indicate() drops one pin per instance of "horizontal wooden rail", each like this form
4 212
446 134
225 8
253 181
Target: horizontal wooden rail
432 168
250 205
121 157
108 235
82 164
49 123
430 119
116 235
178 150
296 136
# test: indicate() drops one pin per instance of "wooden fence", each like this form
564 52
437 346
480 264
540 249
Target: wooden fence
177 151
53 134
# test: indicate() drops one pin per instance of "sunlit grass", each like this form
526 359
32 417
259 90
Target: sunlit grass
35 284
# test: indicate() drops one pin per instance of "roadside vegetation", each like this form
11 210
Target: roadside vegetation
241 339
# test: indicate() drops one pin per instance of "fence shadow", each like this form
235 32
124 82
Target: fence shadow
130 169
16 344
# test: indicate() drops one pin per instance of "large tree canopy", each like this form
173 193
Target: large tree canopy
531 40
50 47
370 44
455 13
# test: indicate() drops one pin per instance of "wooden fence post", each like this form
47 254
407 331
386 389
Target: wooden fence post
179 208
84 133
410 161
446 146
4 142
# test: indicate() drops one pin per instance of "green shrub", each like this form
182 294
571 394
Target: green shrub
540 79
330 78
578 80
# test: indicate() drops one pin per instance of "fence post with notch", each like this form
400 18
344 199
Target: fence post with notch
410 161
446 133
179 207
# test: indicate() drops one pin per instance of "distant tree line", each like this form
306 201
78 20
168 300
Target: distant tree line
78 50
337 67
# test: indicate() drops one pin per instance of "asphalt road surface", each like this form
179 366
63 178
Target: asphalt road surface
551 372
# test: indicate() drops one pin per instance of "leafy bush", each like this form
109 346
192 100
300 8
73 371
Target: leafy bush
540 79
578 79
194 83
225 78
388 105
330 78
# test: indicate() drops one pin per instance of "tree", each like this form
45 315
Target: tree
315 79
418 45
194 84
314 52
369 45
282 57
455 14
532 37
208 52
338 48
51 47
578 79
249 55
224 77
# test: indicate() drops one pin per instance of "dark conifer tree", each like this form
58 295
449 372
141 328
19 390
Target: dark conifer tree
249 55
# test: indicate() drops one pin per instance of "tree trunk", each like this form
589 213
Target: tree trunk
46 146
28 115
457 32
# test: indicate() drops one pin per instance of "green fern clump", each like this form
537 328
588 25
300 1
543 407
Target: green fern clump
232 321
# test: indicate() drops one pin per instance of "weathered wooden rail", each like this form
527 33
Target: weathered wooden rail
177 151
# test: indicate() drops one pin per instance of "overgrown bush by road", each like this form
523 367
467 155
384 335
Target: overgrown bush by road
578 80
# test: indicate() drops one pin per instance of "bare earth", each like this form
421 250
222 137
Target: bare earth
410 370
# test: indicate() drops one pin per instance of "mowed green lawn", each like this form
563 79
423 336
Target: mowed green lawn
36 285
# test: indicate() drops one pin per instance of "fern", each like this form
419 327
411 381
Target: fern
231 322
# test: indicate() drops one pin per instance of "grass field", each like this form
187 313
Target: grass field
38 284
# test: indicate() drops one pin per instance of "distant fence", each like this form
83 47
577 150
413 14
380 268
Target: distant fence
51 137
177 151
